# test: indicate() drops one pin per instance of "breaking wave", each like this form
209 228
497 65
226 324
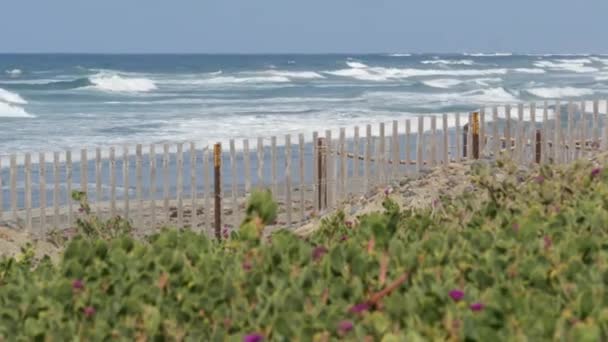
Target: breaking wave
449 62
115 83
9 97
553 93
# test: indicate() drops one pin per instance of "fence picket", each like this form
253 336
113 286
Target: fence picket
288 203
83 171
207 188
508 130
28 192
68 186
193 183
56 177
446 160
482 131
112 182
315 172
13 174
152 193
125 179
356 162
433 141
584 136
496 141
273 165
301 174
419 157
545 134
233 180
458 156
247 163
595 127
532 134
557 130
408 129
520 144
139 185
381 163
180 185
395 150
98 189
342 164
166 161
570 133
330 179
368 154
260 183
42 193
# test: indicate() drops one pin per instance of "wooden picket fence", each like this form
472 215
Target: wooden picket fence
205 188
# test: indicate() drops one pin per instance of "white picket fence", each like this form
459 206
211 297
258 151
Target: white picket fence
174 184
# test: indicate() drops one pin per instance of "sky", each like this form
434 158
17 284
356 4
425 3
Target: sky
305 26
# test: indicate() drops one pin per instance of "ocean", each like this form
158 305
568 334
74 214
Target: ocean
54 102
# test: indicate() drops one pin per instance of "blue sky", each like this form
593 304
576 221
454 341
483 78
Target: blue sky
305 26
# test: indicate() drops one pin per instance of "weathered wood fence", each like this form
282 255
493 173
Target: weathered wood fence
205 187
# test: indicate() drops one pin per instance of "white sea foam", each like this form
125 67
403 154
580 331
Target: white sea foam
497 54
435 100
386 74
356 65
449 62
244 79
442 83
554 93
9 97
575 65
529 70
14 72
115 83
295 74
400 55
8 110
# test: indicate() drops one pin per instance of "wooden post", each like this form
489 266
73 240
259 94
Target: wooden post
508 142
217 180
596 127
605 132
56 178
381 161
395 149
458 155
301 174
470 137
247 163
83 171
433 161
584 129
465 142
340 194
139 185
180 185
68 185
570 133
152 194
408 129
112 182
207 188
288 202
330 162
1 193
356 162
193 197
495 137
260 183
125 178
42 194
28 193
234 180
315 172
273 166
482 131
166 182
13 173
98 189
557 142
475 133
368 154
321 173
520 142
532 125
545 133
538 149
446 157
419 156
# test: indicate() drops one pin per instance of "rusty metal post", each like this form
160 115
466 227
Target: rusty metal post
322 172
217 165
538 147
475 141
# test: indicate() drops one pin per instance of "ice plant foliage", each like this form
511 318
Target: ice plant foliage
400 275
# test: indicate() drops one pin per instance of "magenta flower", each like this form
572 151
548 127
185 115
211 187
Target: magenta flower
540 179
548 242
318 253
345 326
388 191
253 338
246 266
349 224
596 172
516 227
456 295
78 284
359 308
477 307
89 311
344 238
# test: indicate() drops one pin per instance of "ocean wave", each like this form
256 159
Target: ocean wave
436 100
241 80
497 54
9 97
400 55
356 65
442 83
386 74
449 62
8 110
575 65
14 72
529 70
115 83
554 93
309 75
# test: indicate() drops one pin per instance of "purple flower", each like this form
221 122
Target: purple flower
246 266
548 242
540 179
89 311
516 227
81 210
349 224
253 338
457 295
78 284
388 191
318 253
345 326
435 203
343 238
596 172
477 307
359 308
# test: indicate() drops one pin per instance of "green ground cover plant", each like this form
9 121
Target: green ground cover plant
524 258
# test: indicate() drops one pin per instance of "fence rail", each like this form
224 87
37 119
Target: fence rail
175 184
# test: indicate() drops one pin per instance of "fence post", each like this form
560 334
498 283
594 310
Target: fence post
465 134
475 129
217 164
321 173
538 147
